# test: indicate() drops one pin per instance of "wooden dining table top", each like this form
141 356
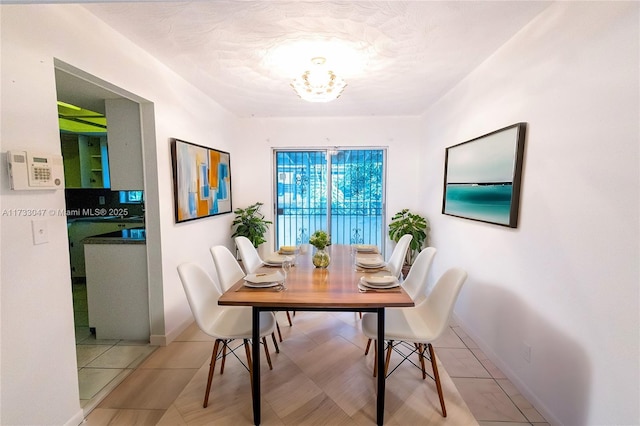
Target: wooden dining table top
311 287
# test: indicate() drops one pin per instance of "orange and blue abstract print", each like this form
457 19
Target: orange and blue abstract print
202 181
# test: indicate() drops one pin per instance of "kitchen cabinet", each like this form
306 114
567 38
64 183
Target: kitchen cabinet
80 229
125 144
117 289
86 162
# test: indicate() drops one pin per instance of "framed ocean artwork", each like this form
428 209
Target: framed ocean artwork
482 177
201 181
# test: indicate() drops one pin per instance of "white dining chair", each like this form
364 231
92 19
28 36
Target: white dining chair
251 261
224 323
420 325
396 260
230 272
415 284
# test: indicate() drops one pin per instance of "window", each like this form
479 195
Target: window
339 190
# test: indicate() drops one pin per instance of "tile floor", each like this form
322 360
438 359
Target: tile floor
102 364
167 387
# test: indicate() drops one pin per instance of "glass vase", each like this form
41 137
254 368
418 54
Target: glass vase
321 258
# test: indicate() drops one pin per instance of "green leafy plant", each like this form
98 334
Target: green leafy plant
250 223
319 240
405 222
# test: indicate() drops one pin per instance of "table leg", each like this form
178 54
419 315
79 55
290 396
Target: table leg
256 364
381 373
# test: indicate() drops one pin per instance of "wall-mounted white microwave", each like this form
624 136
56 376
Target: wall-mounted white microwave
28 171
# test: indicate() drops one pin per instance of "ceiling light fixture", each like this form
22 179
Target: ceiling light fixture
318 84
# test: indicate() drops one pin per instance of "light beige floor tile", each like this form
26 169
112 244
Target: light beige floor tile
151 389
179 355
87 353
487 401
172 417
193 334
484 423
461 363
137 417
488 364
100 417
449 340
521 402
92 380
465 337
121 357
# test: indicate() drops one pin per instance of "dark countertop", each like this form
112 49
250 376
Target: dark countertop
124 236
115 219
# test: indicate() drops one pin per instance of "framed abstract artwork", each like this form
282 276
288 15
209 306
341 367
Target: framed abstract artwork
482 177
201 181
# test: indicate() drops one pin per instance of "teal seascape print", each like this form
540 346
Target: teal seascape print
487 201
482 177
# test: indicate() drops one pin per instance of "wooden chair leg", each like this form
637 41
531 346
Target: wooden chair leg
388 358
366 351
224 355
375 358
278 328
434 366
275 342
266 352
212 367
247 350
289 318
421 356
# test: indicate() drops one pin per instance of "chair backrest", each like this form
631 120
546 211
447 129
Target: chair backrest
250 258
436 309
398 255
415 284
228 269
202 293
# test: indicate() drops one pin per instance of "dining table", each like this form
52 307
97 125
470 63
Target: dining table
308 288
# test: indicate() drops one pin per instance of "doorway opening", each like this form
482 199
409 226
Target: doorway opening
97 205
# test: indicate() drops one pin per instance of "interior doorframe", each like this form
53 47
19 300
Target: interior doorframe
152 205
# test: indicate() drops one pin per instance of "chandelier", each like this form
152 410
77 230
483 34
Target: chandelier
318 84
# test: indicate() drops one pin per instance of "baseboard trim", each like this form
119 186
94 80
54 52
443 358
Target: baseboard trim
76 419
166 339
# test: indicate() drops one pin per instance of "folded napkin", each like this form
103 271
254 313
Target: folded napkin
260 278
369 262
366 248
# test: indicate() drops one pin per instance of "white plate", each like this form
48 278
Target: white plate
379 280
261 285
362 285
262 278
276 259
370 265
366 248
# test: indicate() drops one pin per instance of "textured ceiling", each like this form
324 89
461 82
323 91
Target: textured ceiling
409 53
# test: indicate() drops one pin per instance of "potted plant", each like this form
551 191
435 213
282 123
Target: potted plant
405 222
320 240
250 223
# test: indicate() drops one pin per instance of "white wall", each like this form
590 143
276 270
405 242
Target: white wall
566 280
38 362
401 135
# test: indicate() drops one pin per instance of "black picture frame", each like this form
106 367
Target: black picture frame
201 181
483 176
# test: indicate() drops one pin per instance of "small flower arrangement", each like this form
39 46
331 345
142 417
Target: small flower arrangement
319 240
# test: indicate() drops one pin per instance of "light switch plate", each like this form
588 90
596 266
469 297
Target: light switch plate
40 231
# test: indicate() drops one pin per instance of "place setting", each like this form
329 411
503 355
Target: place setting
375 283
364 264
265 280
